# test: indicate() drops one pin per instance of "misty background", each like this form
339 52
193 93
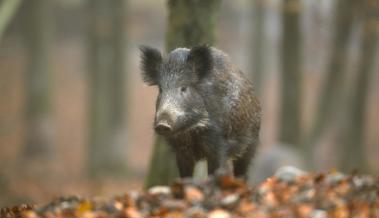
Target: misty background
75 117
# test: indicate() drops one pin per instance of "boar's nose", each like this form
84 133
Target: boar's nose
163 128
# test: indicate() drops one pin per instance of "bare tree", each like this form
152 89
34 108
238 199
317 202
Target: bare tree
190 23
330 97
106 52
258 39
38 32
8 9
290 124
353 140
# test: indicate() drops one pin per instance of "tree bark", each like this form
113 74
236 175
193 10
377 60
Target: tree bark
190 23
106 52
353 141
8 9
258 39
290 124
330 96
38 32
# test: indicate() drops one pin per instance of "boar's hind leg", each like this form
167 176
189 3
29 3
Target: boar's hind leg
185 165
241 165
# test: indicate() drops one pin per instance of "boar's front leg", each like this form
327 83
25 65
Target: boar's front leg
213 164
185 165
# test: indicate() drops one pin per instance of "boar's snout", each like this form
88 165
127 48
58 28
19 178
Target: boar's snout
163 128
163 124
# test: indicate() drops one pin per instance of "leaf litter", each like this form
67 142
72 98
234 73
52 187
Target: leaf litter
305 195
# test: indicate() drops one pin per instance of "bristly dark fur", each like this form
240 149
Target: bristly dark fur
151 61
206 108
201 59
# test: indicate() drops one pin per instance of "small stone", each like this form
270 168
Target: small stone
218 213
230 200
319 214
159 190
288 173
335 178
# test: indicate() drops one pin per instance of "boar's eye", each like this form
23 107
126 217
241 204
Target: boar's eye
183 88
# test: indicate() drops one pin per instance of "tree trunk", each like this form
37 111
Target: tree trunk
352 146
107 78
8 9
38 33
258 39
331 93
190 23
163 169
290 125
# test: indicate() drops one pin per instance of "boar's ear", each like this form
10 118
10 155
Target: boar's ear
151 61
200 57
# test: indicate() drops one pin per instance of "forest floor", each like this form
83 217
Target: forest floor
289 193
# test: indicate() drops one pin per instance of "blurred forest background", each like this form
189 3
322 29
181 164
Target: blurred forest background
75 117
